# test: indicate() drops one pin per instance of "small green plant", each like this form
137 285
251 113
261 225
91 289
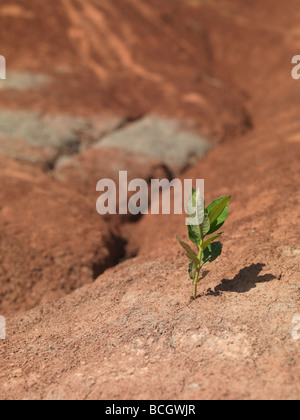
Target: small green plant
202 223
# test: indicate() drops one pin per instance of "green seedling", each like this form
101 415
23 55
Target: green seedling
203 223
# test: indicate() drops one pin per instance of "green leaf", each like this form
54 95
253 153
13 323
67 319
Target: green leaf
213 203
189 252
198 223
196 208
194 234
219 208
192 270
205 225
210 240
211 253
191 204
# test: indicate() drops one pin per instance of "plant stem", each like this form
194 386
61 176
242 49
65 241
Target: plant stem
196 281
196 284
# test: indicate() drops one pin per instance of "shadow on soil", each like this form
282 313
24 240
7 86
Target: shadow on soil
244 281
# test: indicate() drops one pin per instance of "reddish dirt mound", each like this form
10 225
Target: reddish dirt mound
134 333
123 58
51 242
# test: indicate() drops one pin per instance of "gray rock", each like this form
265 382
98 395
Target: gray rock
48 135
37 130
167 140
24 80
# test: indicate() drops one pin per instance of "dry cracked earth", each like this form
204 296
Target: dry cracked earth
98 307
